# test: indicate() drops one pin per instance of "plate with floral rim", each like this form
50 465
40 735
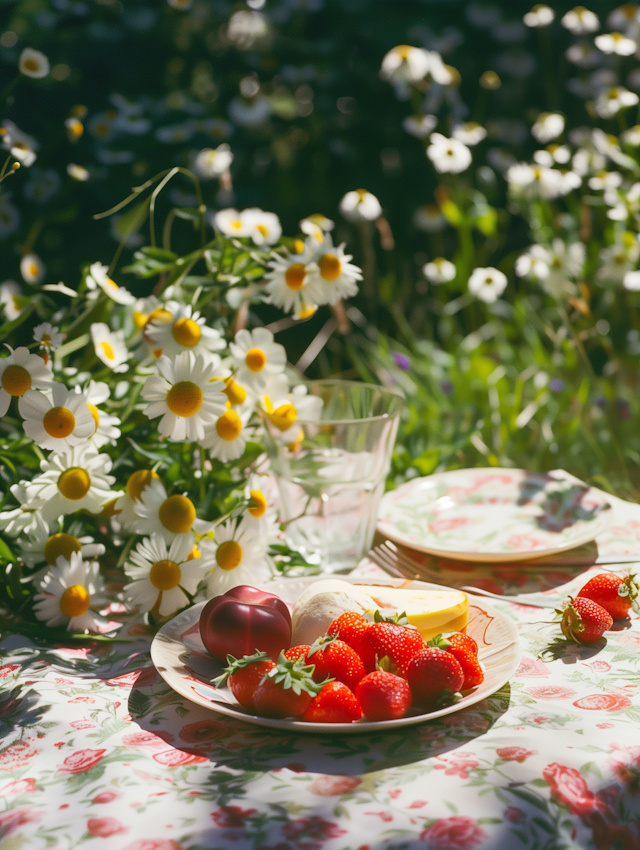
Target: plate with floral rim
181 659
500 515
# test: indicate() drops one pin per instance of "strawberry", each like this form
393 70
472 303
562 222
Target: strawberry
351 628
243 675
335 703
583 620
392 645
286 690
335 659
465 650
434 676
296 652
383 695
615 594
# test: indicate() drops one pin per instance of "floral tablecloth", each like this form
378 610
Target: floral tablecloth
96 750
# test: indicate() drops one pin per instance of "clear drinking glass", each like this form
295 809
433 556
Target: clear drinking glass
331 480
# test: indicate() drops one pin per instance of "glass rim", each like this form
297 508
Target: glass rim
331 381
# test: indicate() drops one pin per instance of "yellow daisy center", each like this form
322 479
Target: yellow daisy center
59 422
108 351
34 269
298 246
45 340
16 380
139 319
186 332
403 51
194 554
306 311
284 416
93 410
237 224
262 229
184 398
229 555
30 65
165 575
60 544
74 483
229 426
258 503
256 359
138 480
74 601
157 316
111 283
330 266
234 392
109 509
177 514
295 275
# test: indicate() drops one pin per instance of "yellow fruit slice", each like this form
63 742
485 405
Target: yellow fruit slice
430 611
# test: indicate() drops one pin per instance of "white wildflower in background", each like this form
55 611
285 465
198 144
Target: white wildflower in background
250 112
212 162
616 43
187 394
448 155
580 21
539 16
21 146
420 126
631 281
33 63
98 278
110 346
565 263
27 518
162 573
610 102
70 594
246 28
439 270
584 55
616 260
405 64
183 330
332 275
360 205
227 439
125 504
168 516
58 424
287 281
77 172
533 263
48 336
285 411
75 128
548 126
106 425
631 136
19 372
9 216
487 284
230 222
257 357
46 547
470 133
239 553
32 268
264 227
9 293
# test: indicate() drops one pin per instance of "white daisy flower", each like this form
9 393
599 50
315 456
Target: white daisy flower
106 426
487 284
249 112
33 63
48 336
360 205
19 372
32 268
230 222
470 133
161 573
332 275
611 101
44 547
618 259
439 271
533 263
212 162
9 292
631 281
187 394
239 553
287 281
227 441
615 43
264 227
97 277
449 156
405 64
144 309
21 146
110 346
77 172
548 126
75 128
287 413
314 223
77 478
58 424
168 516
25 519
124 507
184 331
580 21
420 126
67 594
257 357
539 16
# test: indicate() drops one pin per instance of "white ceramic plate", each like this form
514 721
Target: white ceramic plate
184 664
493 514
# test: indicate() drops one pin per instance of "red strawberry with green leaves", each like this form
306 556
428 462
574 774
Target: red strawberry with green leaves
435 677
392 645
465 650
583 620
615 594
286 690
243 675
383 696
335 703
337 660
351 627
299 651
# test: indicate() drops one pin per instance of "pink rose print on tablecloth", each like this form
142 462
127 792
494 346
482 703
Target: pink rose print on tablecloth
140 678
231 817
14 818
19 786
82 724
515 753
600 666
105 827
326 785
551 692
603 702
456 765
203 730
569 788
17 755
106 797
153 844
8 669
177 758
144 740
311 833
81 761
532 668
454 833
625 763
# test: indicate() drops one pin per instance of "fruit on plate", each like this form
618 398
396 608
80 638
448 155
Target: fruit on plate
244 620
583 620
321 603
335 703
243 675
286 690
431 611
332 659
465 650
383 696
351 627
435 676
391 645
615 594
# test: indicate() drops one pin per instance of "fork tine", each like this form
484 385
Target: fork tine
386 559
401 559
